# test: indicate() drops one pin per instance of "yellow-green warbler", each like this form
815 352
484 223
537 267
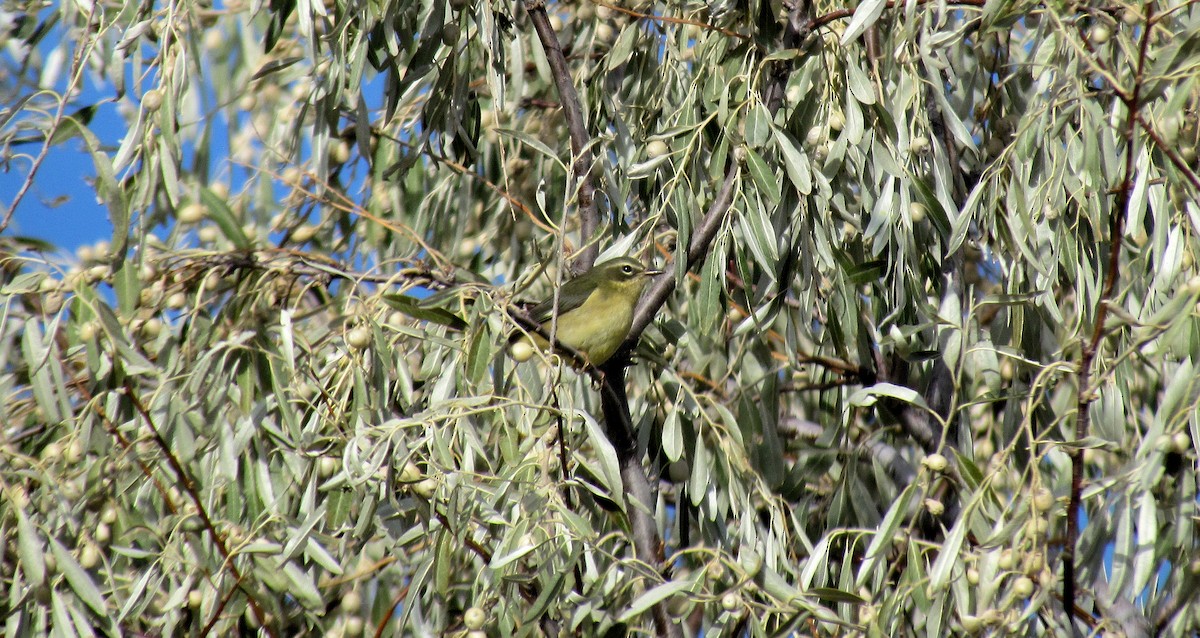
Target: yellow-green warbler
595 311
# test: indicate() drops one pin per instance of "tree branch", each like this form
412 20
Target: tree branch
664 284
193 492
661 19
613 402
1172 154
581 149
1116 229
647 544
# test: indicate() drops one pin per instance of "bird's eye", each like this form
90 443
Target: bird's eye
628 270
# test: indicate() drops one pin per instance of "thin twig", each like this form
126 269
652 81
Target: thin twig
391 611
76 74
193 493
128 447
1177 160
670 20
840 14
1084 392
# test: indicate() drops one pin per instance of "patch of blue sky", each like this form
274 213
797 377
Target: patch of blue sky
62 207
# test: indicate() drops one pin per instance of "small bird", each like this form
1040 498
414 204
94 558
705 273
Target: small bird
595 311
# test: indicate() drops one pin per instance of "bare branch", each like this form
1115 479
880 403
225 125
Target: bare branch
581 148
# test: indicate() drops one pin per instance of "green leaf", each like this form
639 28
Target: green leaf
423 58
868 396
533 143
865 15
275 66
622 49
795 162
654 596
758 126
969 471
1145 560
79 580
948 556
937 214
610 468
760 236
778 587
412 307
223 216
23 284
672 436
860 85
134 362
338 504
701 472
29 549
709 311
885 532
479 355
73 124
303 588
317 553
867 272
763 176
500 561
831 595
61 614
107 188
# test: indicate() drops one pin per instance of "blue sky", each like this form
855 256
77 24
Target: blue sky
61 206
68 223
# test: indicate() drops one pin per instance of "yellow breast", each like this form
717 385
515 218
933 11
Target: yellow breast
599 326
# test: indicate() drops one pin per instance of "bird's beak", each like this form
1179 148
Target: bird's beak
652 273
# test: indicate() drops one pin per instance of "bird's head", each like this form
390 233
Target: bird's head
624 274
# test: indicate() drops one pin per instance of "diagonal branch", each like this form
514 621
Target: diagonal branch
190 487
664 284
581 149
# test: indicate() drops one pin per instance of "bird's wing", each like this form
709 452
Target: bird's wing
570 296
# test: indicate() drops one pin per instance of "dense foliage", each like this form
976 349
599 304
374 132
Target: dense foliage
923 362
